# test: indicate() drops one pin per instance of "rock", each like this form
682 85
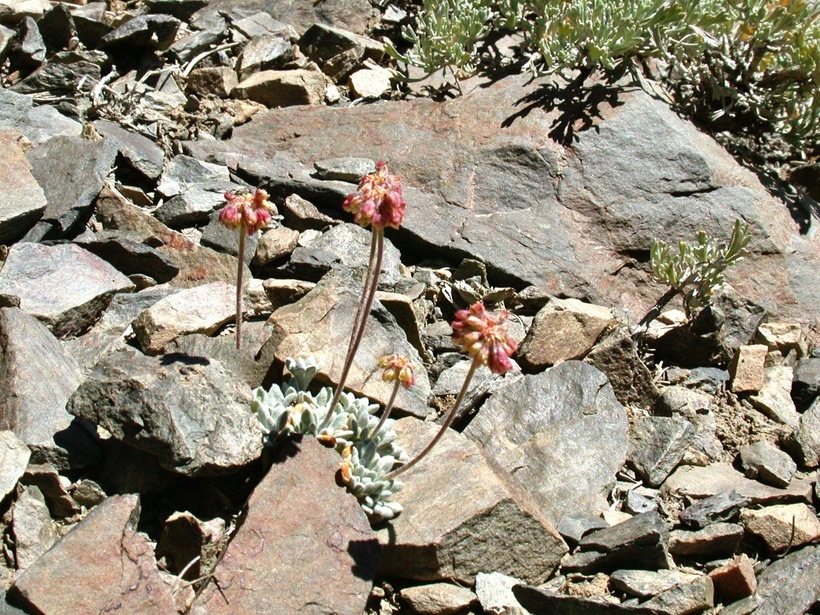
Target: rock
196 204
274 244
27 50
551 441
219 237
574 527
538 601
212 80
715 540
345 245
805 441
64 286
782 336
139 152
181 9
54 487
451 533
37 378
283 88
630 378
319 325
657 445
647 583
337 51
774 398
782 587
202 309
183 171
723 506
564 329
22 201
302 215
678 400
145 32
346 169
451 379
285 292
71 171
494 592
57 28
784 526
14 456
693 597
33 531
271 50
370 82
437 599
38 124
185 538
318 524
119 572
86 492
701 482
192 414
734 580
257 24
90 23
746 368
130 257
767 463
640 541
806 382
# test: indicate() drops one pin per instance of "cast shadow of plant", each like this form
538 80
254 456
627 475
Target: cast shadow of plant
578 101
365 556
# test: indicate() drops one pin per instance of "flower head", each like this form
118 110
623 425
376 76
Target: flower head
377 200
483 335
398 367
252 210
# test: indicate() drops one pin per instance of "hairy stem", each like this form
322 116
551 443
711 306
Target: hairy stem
368 294
241 260
444 427
388 408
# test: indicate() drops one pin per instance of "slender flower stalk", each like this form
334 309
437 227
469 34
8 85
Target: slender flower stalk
246 213
377 202
399 370
482 335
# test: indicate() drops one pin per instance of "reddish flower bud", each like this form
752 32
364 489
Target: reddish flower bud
398 367
252 210
378 200
483 335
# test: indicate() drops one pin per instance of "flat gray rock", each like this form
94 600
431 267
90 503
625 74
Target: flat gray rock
14 456
319 526
32 528
461 513
714 541
767 463
656 446
195 204
38 124
22 201
806 439
142 32
646 583
638 541
546 429
189 412
37 378
71 171
64 286
129 256
140 152
183 171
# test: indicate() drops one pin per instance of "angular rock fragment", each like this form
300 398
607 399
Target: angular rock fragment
283 88
452 532
202 309
630 378
22 201
545 602
734 580
647 583
805 441
767 463
783 526
318 524
32 528
437 599
190 413
118 573
14 456
27 50
715 540
219 237
54 487
37 378
143 32
302 215
140 153
642 540
806 383
212 80
194 205
129 256
185 538
494 592
774 398
338 51
269 51
747 368
274 244
657 445
693 597
38 124
547 429
319 325
183 171
64 286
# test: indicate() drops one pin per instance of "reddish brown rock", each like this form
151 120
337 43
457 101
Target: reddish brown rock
735 580
304 546
746 368
102 565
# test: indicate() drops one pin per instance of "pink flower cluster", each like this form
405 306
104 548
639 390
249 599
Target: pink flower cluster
378 200
483 335
398 367
251 210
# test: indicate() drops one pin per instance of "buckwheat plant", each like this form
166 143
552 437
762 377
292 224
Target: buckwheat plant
368 446
695 271
399 370
483 336
246 213
377 203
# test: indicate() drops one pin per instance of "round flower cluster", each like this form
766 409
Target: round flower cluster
483 335
251 210
377 200
398 367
